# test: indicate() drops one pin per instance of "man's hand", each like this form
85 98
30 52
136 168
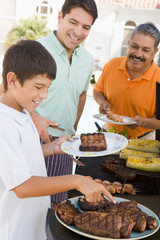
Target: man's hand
42 125
104 107
140 122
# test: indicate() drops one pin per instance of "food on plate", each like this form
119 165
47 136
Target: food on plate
114 117
93 142
117 187
145 145
95 206
134 153
145 164
99 223
66 210
113 166
140 219
106 219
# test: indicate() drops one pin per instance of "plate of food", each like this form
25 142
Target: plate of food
99 144
115 119
103 225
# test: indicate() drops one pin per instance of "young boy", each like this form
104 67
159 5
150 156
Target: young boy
28 70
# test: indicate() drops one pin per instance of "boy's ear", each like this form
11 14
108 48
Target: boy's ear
12 79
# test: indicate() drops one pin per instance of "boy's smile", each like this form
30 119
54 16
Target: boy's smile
29 95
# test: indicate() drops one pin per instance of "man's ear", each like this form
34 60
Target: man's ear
60 16
156 50
12 80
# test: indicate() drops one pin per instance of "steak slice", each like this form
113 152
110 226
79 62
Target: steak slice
99 224
66 210
131 207
95 206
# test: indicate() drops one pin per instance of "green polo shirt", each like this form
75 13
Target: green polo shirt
71 80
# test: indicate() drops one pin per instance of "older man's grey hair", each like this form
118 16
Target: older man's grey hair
148 29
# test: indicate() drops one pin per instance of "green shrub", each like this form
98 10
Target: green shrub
30 28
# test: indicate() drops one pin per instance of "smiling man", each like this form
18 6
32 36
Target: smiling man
127 85
67 95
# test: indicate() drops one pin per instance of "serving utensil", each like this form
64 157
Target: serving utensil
58 128
79 163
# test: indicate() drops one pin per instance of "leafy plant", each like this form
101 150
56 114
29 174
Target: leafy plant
30 28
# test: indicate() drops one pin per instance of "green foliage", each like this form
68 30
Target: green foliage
112 129
30 28
93 81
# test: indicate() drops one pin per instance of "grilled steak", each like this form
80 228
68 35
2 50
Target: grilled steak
66 210
112 165
151 221
99 224
85 205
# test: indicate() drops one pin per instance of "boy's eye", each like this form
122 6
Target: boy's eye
38 87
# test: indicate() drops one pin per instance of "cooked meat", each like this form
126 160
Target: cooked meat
127 225
151 222
66 210
99 224
113 166
85 205
93 142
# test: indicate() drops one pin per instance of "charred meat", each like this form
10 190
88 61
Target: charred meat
99 224
66 210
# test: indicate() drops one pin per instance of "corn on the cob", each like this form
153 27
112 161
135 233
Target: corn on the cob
142 163
133 153
145 145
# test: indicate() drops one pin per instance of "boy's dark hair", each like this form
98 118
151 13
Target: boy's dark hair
87 5
148 29
27 59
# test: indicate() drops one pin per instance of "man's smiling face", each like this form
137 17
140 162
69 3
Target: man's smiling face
141 51
73 28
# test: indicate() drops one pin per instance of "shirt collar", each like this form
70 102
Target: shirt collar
60 48
147 75
19 117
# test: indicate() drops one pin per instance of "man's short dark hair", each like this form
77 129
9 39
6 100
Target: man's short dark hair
27 59
148 29
87 5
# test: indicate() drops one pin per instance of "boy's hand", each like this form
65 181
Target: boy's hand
56 144
93 191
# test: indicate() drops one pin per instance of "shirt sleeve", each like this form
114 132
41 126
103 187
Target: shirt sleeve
100 84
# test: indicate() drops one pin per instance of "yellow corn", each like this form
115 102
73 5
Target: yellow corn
142 163
146 145
127 153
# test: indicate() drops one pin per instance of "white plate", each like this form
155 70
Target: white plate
115 143
134 235
126 120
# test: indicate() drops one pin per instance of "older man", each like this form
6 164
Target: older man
127 84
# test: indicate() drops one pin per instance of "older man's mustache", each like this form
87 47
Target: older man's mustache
137 58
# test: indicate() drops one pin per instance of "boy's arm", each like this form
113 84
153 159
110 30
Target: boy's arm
44 186
55 146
